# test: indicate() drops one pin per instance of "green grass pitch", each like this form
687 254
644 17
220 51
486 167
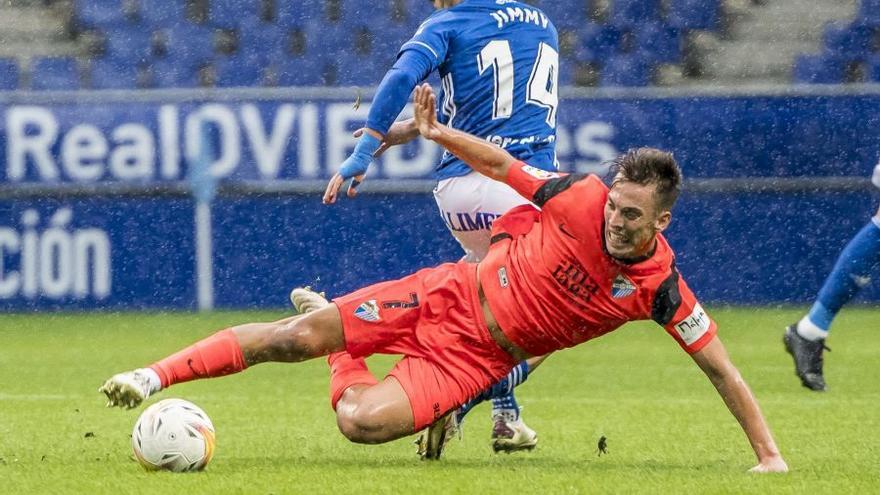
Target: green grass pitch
667 429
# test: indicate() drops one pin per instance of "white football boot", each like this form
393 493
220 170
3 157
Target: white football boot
434 438
305 300
130 388
511 434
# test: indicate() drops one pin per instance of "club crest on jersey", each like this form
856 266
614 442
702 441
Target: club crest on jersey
368 311
538 173
622 287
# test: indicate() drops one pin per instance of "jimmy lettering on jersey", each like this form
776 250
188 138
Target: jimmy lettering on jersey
499 63
520 14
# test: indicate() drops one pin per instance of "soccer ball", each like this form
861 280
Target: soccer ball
175 435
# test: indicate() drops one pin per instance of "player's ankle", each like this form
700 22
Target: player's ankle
809 330
153 379
507 414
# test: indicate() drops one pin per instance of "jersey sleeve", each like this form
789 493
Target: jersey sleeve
537 185
676 308
432 38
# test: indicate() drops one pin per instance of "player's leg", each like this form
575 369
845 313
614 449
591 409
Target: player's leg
805 340
416 392
509 432
346 373
469 205
374 413
230 351
435 319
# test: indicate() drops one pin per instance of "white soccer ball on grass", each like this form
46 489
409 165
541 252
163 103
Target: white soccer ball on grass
174 435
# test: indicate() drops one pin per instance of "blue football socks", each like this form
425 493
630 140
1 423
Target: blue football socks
851 273
501 393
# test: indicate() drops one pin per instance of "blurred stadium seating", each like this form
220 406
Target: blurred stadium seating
848 51
227 43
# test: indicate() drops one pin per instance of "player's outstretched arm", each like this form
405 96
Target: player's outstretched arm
400 132
715 362
355 166
480 155
391 96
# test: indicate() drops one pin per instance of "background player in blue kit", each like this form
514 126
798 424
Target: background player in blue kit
498 62
805 340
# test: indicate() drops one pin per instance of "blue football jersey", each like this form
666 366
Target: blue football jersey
498 63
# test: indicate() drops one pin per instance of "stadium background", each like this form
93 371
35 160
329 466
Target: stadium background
770 106
160 154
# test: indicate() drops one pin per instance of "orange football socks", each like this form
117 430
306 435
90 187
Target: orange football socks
346 371
218 355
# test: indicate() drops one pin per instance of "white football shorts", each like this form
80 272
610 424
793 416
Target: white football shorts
469 204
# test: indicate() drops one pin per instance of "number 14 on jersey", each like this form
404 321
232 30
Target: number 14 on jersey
542 87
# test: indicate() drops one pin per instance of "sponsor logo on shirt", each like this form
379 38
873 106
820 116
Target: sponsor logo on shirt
694 326
368 311
467 222
622 287
575 280
506 141
538 173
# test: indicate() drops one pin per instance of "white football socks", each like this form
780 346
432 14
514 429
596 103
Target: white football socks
152 378
808 330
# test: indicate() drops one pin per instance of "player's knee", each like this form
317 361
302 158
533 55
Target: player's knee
362 422
297 341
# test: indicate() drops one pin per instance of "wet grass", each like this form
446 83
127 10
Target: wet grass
668 432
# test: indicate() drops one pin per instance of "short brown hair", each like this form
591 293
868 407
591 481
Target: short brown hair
646 166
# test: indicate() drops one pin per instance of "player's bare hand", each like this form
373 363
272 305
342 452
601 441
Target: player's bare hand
332 189
335 184
771 465
425 109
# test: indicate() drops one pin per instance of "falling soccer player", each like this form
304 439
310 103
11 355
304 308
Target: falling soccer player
589 261
499 66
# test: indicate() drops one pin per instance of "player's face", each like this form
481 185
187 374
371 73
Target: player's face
442 4
632 220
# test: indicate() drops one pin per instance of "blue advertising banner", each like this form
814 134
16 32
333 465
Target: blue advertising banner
96 253
139 253
124 140
75 249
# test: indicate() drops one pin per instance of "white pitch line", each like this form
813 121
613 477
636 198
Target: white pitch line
36 397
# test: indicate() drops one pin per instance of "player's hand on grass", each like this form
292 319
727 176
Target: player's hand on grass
354 167
771 465
424 106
